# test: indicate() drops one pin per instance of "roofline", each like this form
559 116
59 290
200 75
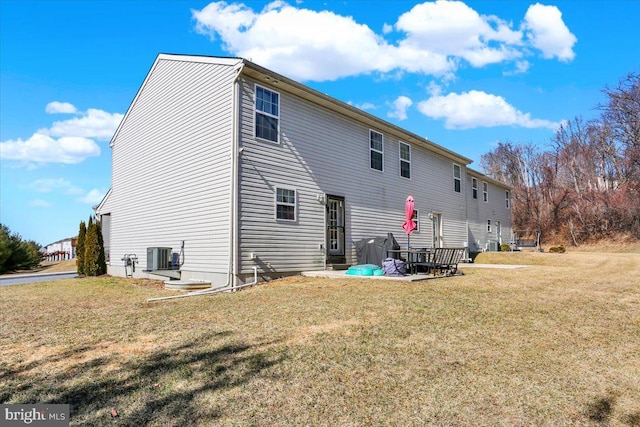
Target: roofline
171 57
102 202
258 72
488 178
330 102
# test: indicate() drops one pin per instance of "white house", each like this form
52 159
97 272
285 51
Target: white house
231 166
61 250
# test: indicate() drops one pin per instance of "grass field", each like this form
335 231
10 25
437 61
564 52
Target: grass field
553 344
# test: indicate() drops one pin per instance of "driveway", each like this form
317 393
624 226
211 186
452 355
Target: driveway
17 279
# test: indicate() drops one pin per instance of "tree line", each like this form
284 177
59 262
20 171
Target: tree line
16 253
585 185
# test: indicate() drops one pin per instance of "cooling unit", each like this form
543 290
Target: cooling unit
158 258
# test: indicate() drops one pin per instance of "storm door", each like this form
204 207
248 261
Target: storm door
437 230
335 230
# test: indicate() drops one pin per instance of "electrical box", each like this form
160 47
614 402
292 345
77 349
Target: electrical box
158 258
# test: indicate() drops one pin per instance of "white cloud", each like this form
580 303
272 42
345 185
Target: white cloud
40 203
478 109
67 141
433 38
520 67
93 123
41 148
49 185
364 106
452 28
93 197
548 32
56 107
400 106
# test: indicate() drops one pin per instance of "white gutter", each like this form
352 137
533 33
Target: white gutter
232 265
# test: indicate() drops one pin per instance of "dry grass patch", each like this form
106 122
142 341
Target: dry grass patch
553 344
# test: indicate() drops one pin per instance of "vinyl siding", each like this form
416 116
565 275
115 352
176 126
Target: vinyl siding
322 152
171 167
478 212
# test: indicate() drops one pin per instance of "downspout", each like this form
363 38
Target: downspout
233 220
232 265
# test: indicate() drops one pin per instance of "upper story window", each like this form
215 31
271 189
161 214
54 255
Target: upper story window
507 199
285 204
267 114
485 192
405 160
488 226
376 150
457 178
474 188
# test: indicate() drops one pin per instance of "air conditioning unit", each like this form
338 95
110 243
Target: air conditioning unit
494 246
158 258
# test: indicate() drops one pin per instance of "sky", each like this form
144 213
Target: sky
463 74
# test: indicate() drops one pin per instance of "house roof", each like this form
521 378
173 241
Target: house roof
272 78
100 206
487 178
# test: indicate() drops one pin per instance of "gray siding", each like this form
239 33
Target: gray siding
172 167
322 152
478 212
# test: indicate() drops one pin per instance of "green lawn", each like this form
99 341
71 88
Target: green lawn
554 344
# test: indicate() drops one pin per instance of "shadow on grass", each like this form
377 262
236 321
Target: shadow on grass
601 412
178 385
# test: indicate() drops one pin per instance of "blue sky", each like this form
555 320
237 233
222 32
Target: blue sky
463 74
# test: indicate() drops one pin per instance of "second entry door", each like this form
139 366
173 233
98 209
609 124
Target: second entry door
335 230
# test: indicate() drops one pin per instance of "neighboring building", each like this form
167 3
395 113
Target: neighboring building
61 250
234 166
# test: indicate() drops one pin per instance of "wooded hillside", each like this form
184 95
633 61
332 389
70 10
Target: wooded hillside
585 185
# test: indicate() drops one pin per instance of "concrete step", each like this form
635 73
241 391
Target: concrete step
186 285
338 267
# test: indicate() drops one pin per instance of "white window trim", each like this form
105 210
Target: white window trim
416 220
294 204
403 160
485 191
474 188
371 131
488 226
256 111
507 198
459 179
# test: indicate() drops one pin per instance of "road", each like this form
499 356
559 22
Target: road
17 279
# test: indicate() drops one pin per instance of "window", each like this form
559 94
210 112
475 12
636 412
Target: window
376 149
485 192
488 226
416 219
267 114
286 204
474 188
457 182
405 160
507 199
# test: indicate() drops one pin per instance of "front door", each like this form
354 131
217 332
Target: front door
335 230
